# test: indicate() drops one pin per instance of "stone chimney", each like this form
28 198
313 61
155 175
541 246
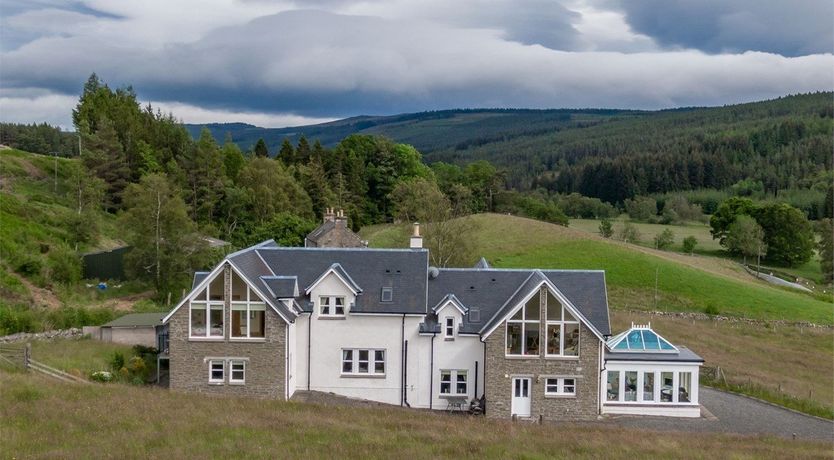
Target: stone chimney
341 219
329 215
416 239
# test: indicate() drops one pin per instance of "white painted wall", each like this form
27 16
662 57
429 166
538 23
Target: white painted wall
460 353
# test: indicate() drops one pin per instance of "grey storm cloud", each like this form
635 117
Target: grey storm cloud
789 28
379 58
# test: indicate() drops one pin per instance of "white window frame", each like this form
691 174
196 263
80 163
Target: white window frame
453 382
561 323
331 305
250 306
211 379
206 305
523 322
449 329
354 362
561 386
232 379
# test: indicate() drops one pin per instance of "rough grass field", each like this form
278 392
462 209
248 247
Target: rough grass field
685 283
44 419
79 357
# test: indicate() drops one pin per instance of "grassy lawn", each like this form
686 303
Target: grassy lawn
685 283
648 231
46 419
79 357
746 353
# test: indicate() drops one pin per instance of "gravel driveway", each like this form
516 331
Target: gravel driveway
737 414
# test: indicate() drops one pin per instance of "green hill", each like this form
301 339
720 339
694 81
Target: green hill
684 283
610 154
40 247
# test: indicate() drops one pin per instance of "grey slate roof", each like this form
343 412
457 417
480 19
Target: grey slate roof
495 291
282 287
198 278
322 230
137 320
404 270
685 356
487 293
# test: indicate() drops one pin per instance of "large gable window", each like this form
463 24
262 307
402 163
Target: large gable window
206 312
562 329
248 311
523 329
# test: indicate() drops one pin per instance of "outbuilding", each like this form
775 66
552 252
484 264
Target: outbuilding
131 329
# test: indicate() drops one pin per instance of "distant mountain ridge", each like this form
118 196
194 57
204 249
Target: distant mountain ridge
421 129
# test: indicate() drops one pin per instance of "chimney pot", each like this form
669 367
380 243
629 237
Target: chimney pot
416 240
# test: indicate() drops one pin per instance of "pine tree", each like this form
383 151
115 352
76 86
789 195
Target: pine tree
260 149
287 152
302 153
102 154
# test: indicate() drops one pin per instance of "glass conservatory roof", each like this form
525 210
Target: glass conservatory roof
640 339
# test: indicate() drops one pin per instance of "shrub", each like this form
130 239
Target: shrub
641 208
664 239
689 244
101 376
65 265
605 228
29 267
117 361
711 310
629 233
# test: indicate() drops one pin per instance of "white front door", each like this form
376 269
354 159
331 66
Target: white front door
521 396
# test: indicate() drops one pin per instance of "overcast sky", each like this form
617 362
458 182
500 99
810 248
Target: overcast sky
279 63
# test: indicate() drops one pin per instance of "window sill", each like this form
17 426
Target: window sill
237 384
449 339
453 396
520 357
217 383
555 396
362 376
248 339
206 339
561 358
330 317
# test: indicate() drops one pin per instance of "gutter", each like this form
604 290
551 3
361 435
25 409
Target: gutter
431 372
309 342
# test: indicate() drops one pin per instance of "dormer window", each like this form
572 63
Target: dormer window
387 294
449 328
331 306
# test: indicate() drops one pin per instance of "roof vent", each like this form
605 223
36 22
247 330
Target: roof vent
434 272
474 315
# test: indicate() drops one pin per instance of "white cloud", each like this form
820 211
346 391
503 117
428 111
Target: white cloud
259 62
197 115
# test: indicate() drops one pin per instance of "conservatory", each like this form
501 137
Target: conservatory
645 374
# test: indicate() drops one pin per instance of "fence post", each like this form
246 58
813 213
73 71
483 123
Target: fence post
27 355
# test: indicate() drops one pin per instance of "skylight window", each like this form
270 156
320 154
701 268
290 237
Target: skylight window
387 294
640 338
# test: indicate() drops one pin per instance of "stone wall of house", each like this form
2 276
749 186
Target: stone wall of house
499 371
265 368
